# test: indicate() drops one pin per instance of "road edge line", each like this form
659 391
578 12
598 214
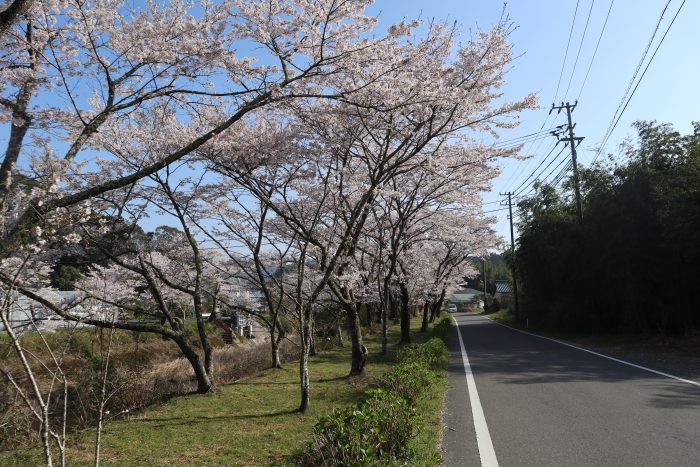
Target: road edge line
483 438
583 349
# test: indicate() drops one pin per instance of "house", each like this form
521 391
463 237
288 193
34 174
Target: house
504 291
463 297
25 314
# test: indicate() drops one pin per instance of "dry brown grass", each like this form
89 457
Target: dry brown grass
142 372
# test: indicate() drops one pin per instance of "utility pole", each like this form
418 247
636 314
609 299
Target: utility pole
512 257
573 142
483 259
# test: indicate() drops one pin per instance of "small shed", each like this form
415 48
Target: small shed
504 291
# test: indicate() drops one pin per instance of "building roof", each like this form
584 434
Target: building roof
503 286
464 295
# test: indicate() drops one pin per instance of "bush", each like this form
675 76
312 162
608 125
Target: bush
409 380
380 430
443 328
433 353
375 433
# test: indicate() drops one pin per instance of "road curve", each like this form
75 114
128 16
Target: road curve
548 404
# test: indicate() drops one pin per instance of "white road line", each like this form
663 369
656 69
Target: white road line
483 438
661 373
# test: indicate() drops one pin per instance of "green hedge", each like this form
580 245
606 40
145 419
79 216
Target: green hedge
378 431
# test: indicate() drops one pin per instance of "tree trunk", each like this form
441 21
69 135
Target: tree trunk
275 339
304 362
209 362
405 316
204 382
368 314
385 326
304 379
214 314
312 340
391 306
436 306
274 344
359 351
424 324
340 335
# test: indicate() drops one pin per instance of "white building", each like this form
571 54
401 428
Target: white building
25 314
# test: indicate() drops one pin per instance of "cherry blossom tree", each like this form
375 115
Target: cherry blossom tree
247 233
347 152
110 63
135 89
328 124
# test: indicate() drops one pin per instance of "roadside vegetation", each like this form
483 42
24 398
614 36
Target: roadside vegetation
255 420
631 265
312 178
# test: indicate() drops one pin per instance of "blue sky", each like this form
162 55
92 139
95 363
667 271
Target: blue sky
668 93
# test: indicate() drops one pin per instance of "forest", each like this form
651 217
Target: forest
631 264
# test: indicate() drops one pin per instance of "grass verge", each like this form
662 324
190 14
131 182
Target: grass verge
425 447
251 422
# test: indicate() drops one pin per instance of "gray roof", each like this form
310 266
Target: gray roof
503 286
464 295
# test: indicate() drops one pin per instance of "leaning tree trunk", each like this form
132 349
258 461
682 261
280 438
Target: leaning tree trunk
359 351
405 316
204 382
275 348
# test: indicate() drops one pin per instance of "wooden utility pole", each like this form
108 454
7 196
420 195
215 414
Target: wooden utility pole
484 263
573 142
512 257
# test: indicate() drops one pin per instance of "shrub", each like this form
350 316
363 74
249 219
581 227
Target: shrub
380 430
409 380
375 433
443 328
433 354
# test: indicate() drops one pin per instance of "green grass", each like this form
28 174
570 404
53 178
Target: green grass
251 422
425 447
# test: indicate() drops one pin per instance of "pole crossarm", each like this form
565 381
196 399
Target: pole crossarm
573 142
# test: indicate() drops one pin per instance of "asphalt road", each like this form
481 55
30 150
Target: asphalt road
548 404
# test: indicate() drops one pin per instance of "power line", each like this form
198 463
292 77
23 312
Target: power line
495 210
566 53
557 167
658 46
634 77
580 46
546 167
519 139
562 173
532 139
524 166
568 161
600 37
537 168
519 169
